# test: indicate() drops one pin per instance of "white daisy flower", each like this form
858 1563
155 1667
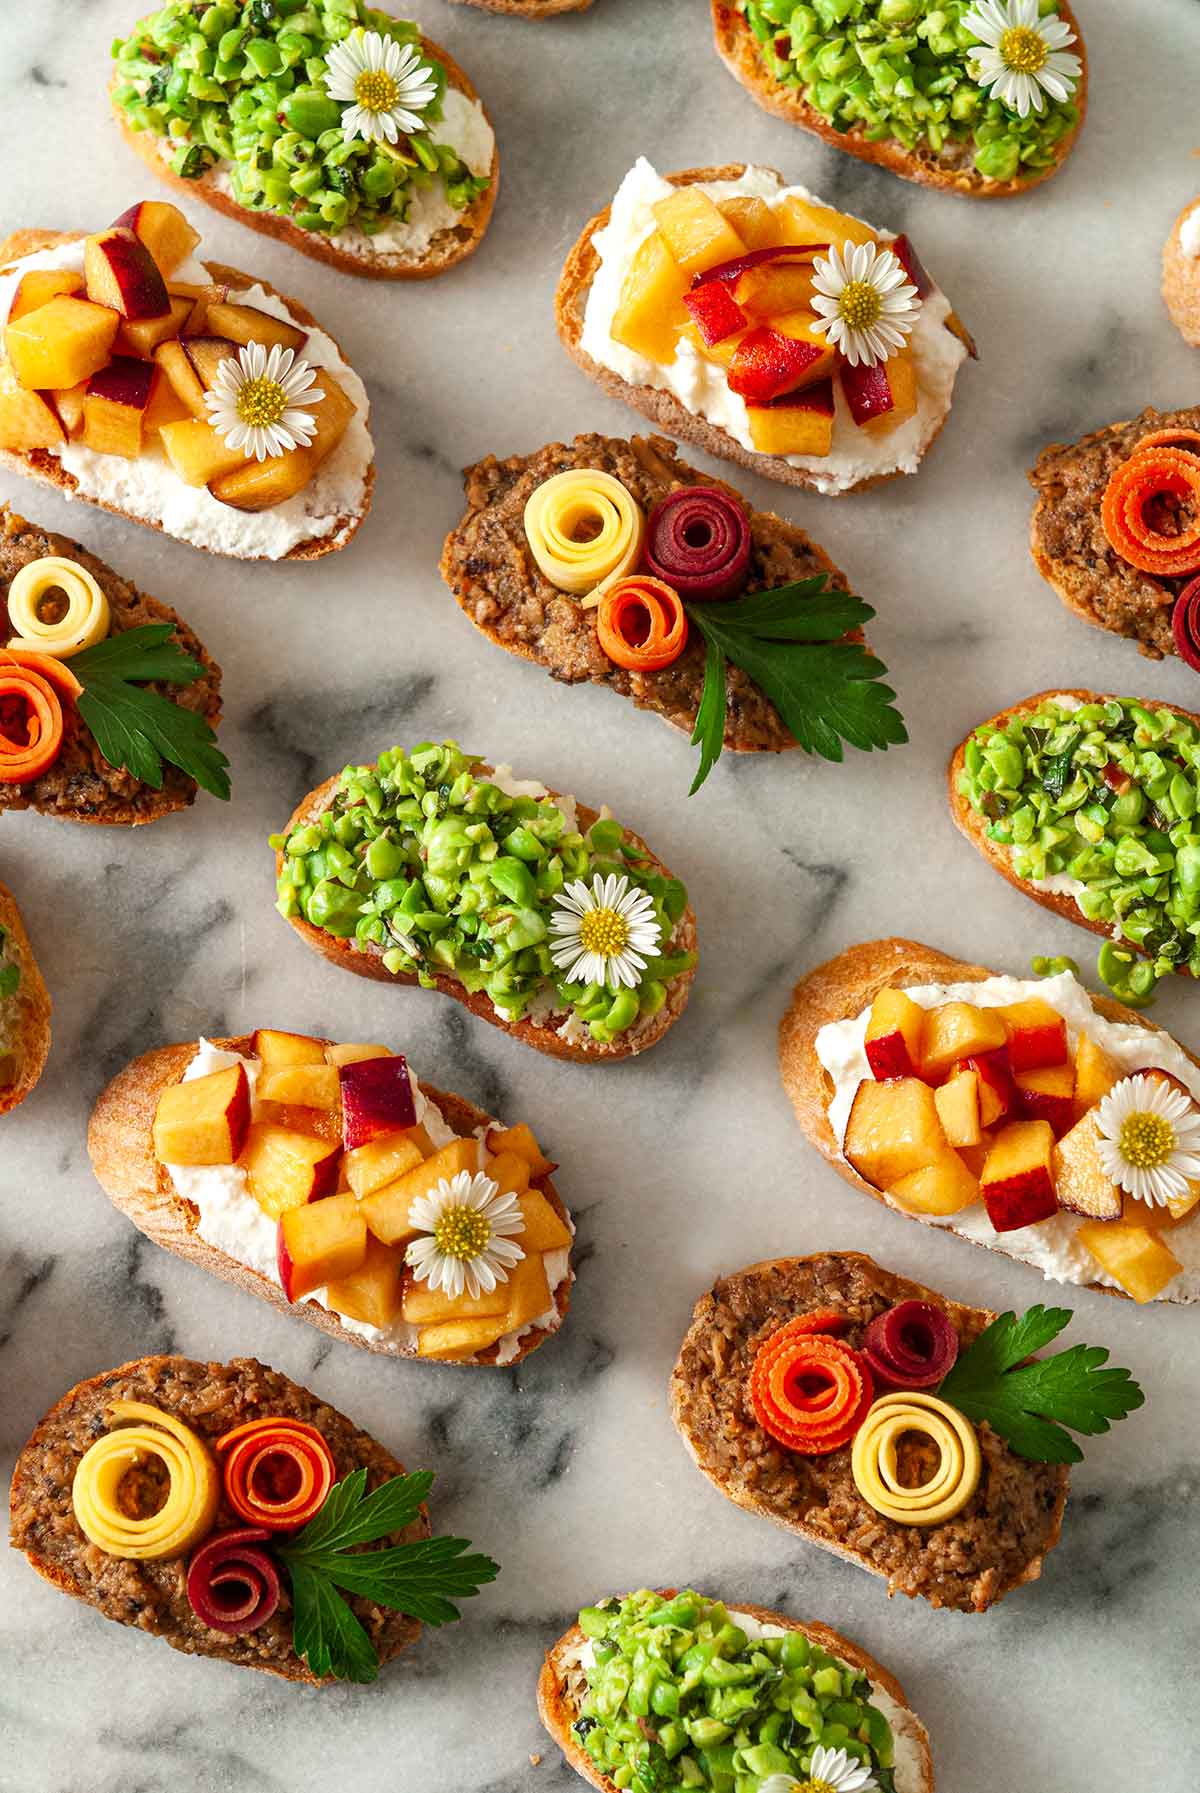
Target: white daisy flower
865 302
831 1771
1149 1139
1022 57
603 935
469 1232
259 401
384 85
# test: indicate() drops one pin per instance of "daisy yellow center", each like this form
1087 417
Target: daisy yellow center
819 1787
261 402
375 90
462 1233
1146 1141
860 307
1024 49
604 932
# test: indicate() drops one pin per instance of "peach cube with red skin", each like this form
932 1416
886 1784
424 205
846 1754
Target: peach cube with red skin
320 1243
61 343
1048 1094
377 1097
895 1028
958 1030
798 423
115 405
893 1129
957 1103
119 271
768 363
1037 1034
997 1091
1136 1257
882 396
286 1168
164 230
1018 1176
205 1120
1080 1180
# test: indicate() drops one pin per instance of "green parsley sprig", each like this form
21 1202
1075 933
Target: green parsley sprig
791 642
138 729
1030 1403
422 1579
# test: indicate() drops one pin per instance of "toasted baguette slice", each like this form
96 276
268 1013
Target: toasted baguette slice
999 1540
41 465
1070 548
24 1016
487 565
562 1687
662 407
121 1147
210 1398
844 987
541 1038
81 786
739 50
446 250
530 9
974 826
1181 281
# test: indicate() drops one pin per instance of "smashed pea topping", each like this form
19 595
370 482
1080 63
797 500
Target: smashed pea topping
442 873
242 82
680 1697
903 70
1106 795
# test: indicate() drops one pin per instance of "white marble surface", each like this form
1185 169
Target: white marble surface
684 1165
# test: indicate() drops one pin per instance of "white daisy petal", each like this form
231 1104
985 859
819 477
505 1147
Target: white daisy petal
864 302
1021 57
384 86
466 1229
599 935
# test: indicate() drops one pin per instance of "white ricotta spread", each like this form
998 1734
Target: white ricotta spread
1051 1245
701 386
1189 234
149 489
230 1220
908 1733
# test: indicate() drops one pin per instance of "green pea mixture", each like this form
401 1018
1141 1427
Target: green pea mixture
442 873
901 70
681 1697
242 82
1106 795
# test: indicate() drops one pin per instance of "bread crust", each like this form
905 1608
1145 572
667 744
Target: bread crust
557 1710
31 1042
39 464
121 1147
1181 282
847 985
44 1432
738 49
542 1039
974 829
448 248
663 408
530 9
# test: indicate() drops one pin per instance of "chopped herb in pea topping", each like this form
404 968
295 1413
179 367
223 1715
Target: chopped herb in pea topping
902 70
424 861
679 1696
242 83
1106 795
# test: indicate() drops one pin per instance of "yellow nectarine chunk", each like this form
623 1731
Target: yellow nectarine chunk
460 1338
509 1173
355 1055
696 234
957 1102
753 219
793 429
381 1161
651 312
261 485
275 1048
307 1086
958 1030
197 453
423 1306
944 1187
41 285
1134 1256
520 1139
893 1130
61 343
386 1210
285 1168
544 1231
205 1120
528 1291
804 221
1096 1071
320 1243
26 420
373 1292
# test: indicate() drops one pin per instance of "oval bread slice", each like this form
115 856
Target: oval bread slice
31 1033
561 1688
121 1147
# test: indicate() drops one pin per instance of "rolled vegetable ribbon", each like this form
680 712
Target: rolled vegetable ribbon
1185 624
641 624
912 1345
873 1459
266 1455
1187 440
810 1391
232 1585
193 1489
31 690
698 540
1168 478
584 529
84 622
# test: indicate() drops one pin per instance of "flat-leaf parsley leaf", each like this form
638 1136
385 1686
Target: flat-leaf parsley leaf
139 729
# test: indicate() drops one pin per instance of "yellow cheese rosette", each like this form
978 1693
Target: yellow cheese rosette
193 1485
873 1458
585 530
56 607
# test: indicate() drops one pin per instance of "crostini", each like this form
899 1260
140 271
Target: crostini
326 1180
210 1504
531 9
983 99
346 133
109 701
712 302
1116 529
911 1450
1181 274
644 605
179 393
590 1699
996 1107
24 1008
544 917
1085 802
